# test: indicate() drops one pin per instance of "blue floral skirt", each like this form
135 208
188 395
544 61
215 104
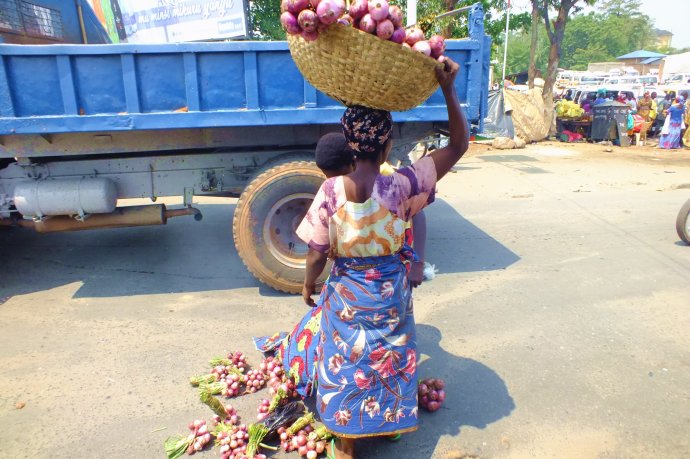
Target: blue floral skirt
367 353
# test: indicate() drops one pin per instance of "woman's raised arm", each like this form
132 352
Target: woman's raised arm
445 158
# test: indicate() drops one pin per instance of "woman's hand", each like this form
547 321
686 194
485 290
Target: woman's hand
307 292
416 275
446 75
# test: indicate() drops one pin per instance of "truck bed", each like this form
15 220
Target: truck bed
53 89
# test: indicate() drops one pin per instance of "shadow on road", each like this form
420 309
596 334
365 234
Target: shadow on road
188 256
456 245
476 397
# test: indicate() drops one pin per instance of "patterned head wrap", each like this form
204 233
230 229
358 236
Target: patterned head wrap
366 130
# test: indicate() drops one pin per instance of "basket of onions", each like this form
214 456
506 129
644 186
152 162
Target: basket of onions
362 55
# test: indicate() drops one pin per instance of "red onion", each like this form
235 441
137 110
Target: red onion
345 20
378 9
315 3
329 11
423 47
438 46
414 35
289 22
433 396
297 6
367 24
308 21
395 14
433 406
309 36
384 29
398 36
283 6
423 389
358 9
441 396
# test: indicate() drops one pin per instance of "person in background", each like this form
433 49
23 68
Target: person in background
601 97
670 135
653 113
588 103
630 101
661 112
686 136
644 107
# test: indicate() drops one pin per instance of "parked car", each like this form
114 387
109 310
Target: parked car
678 78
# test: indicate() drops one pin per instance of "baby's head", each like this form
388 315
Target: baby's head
333 156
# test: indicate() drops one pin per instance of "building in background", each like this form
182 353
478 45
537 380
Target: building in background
644 62
663 38
49 22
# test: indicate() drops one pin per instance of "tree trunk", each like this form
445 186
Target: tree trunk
532 71
556 40
555 51
447 31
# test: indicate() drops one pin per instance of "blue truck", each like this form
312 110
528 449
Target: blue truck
83 125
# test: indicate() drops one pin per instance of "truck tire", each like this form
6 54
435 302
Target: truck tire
683 222
266 217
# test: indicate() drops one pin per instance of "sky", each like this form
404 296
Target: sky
671 15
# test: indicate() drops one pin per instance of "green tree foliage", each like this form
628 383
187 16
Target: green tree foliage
264 20
598 37
594 37
518 52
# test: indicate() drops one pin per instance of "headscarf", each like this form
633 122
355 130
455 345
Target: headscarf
366 130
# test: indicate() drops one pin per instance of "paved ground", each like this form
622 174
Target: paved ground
559 318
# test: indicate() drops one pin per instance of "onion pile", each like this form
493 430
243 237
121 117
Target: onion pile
231 419
308 17
239 360
201 436
254 380
273 368
301 442
232 385
431 394
262 409
233 444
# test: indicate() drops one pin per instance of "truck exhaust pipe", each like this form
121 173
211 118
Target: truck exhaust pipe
122 217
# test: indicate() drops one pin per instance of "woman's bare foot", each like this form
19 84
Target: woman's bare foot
345 448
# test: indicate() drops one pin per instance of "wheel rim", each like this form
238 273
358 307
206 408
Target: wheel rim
280 227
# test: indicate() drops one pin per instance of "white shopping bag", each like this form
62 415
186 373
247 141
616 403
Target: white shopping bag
667 126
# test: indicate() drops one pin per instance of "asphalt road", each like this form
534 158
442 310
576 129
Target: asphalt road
559 318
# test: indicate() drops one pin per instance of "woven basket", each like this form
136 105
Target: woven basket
358 68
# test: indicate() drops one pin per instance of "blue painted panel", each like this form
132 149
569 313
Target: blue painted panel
98 80
280 81
221 81
35 85
161 82
322 100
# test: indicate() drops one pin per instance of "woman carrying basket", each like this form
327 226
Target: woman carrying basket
366 368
